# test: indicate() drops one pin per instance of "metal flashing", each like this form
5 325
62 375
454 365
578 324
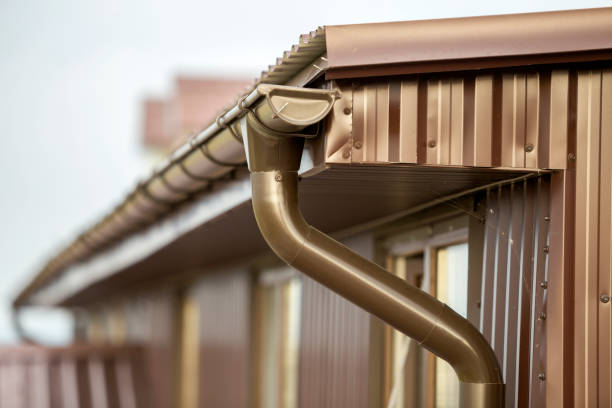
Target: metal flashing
456 44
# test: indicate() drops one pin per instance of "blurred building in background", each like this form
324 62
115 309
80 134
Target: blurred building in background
168 122
465 156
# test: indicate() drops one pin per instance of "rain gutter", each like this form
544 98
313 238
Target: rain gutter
207 159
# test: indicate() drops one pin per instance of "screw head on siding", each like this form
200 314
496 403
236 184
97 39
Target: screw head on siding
541 376
604 298
347 111
431 144
278 177
358 145
544 285
529 147
547 218
542 316
571 156
546 249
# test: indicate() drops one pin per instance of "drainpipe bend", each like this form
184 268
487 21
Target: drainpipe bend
415 313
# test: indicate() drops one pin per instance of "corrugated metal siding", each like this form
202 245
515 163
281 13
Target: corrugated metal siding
224 301
513 286
593 229
508 119
334 350
80 376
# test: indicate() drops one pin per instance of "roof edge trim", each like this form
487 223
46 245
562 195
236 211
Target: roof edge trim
469 42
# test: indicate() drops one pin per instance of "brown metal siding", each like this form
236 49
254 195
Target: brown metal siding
515 120
593 226
334 350
513 289
605 245
224 302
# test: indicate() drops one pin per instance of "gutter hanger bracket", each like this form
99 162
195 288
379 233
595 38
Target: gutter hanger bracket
274 145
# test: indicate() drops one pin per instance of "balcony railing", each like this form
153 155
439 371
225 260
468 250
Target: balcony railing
78 376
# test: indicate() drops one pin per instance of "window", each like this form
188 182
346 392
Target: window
451 288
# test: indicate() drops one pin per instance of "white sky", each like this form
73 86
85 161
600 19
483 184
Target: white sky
73 75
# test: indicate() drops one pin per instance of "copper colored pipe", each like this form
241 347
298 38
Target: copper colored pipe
274 159
430 322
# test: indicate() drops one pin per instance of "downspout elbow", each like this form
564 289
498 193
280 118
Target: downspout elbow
283 228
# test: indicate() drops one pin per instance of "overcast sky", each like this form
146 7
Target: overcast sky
73 75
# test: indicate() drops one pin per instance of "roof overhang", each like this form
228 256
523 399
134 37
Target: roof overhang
427 138
220 229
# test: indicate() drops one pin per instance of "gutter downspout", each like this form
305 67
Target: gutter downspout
274 151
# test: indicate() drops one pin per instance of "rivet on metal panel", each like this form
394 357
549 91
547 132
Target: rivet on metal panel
542 376
571 156
357 145
547 218
278 177
346 154
529 147
542 316
544 285
546 249
431 144
347 111
604 298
